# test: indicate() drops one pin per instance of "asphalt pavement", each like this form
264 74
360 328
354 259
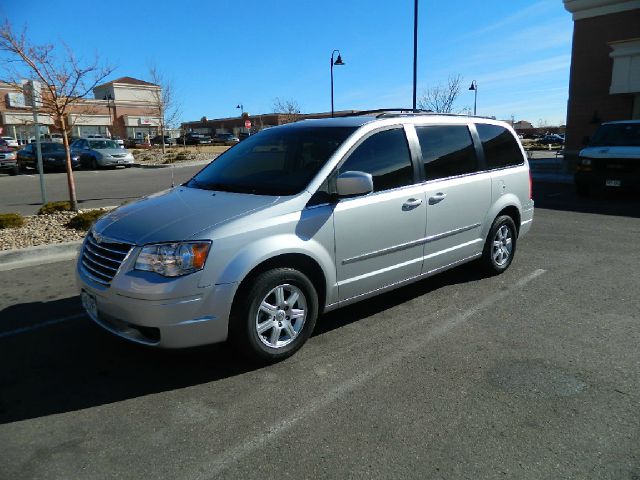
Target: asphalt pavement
533 374
94 188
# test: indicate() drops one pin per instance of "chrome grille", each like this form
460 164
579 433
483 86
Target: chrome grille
101 260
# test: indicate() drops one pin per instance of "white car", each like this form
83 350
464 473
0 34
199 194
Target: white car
11 142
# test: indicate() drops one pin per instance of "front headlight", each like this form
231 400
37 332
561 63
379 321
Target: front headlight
585 161
10 155
173 259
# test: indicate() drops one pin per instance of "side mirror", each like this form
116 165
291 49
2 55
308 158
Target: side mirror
353 183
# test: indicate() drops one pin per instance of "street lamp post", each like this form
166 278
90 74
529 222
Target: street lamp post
474 87
241 107
338 61
415 52
109 99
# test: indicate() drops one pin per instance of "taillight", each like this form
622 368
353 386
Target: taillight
530 186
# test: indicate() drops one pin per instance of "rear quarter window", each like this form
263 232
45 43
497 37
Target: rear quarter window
501 149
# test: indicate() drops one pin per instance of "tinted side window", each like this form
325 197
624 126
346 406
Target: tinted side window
447 150
500 147
385 155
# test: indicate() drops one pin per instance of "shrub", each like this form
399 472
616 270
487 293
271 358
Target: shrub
11 220
53 207
84 220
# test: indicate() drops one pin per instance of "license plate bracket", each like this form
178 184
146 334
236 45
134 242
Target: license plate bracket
89 304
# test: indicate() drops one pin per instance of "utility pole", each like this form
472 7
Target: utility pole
35 102
415 52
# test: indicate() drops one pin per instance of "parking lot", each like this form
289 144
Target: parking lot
532 374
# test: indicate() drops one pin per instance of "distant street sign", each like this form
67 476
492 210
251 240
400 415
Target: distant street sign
247 124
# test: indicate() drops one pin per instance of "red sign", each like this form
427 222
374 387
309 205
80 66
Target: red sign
247 124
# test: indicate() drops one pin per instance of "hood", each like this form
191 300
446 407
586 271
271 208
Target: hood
611 152
177 214
111 151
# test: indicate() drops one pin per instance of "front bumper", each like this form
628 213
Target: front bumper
114 162
166 313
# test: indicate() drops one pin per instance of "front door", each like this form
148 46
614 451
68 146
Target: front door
378 236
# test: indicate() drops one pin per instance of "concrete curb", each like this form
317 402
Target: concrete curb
191 163
40 255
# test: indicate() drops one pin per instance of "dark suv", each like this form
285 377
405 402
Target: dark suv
194 139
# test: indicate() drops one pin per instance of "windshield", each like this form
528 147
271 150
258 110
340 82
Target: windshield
52 147
272 162
617 135
102 144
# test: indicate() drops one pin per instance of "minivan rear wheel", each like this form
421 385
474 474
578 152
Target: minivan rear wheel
500 246
275 315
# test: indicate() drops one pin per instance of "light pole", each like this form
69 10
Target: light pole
474 87
241 107
338 61
109 99
415 52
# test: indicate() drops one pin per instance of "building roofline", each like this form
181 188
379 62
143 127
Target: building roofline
581 9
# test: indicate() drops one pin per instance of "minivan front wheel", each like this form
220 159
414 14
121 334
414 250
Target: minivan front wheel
500 246
275 315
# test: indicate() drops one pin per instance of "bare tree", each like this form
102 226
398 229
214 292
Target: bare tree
165 105
441 98
289 108
65 81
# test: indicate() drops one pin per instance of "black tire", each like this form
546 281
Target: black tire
94 164
497 258
14 171
247 315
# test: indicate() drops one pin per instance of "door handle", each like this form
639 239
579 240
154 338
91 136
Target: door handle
437 198
411 203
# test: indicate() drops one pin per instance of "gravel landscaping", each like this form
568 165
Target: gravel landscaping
40 230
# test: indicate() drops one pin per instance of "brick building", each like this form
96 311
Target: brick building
125 107
236 126
605 66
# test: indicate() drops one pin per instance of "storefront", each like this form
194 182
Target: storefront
19 125
83 125
141 126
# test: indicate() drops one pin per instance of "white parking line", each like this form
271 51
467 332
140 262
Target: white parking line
234 454
38 326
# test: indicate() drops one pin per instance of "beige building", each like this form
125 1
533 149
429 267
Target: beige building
125 107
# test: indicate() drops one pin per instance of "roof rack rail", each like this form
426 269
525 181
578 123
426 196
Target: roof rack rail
390 111
399 112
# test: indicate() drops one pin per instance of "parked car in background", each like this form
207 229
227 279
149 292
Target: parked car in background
10 142
158 140
137 143
611 160
302 219
8 159
96 153
54 157
119 141
225 139
553 139
194 139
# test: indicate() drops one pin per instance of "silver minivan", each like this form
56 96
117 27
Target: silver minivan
302 219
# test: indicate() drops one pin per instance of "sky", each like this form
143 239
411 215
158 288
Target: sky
222 53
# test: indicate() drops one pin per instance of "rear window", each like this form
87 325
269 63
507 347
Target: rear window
447 151
500 147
